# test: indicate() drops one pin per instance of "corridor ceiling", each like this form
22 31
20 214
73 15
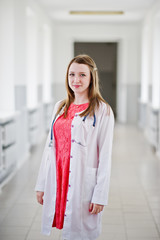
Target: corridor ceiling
59 10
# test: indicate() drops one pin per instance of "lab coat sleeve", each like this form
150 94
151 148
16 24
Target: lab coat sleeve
105 139
40 184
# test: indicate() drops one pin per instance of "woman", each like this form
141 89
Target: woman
73 180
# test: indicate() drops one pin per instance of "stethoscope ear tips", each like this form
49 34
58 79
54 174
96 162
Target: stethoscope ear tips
94 122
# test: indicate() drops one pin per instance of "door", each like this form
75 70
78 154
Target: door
105 57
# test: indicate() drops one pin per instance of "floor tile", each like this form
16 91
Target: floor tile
13 231
142 232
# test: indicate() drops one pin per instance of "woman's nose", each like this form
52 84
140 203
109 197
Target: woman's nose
76 79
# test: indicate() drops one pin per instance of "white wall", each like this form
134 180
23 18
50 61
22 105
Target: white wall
150 76
47 63
20 88
20 41
128 36
32 58
30 20
150 56
156 63
14 49
7 25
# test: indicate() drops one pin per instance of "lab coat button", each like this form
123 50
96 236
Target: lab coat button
72 125
69 171
69 185
72 140
71 156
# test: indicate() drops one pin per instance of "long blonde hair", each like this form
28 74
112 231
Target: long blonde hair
94 94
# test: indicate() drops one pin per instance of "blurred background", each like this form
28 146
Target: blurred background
38 38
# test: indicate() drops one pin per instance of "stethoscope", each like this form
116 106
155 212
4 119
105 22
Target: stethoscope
84 118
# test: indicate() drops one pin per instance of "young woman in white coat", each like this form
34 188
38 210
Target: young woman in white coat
74 176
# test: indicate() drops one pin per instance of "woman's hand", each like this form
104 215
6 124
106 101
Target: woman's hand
40 197
95 208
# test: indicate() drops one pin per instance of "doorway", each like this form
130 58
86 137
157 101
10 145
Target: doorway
105 56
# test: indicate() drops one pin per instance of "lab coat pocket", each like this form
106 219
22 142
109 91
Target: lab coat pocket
90 182
83 134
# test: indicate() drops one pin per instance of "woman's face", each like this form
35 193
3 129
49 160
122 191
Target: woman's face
79 78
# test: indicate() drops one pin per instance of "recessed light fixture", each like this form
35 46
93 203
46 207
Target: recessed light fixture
96 12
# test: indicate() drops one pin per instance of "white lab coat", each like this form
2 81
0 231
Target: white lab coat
89 177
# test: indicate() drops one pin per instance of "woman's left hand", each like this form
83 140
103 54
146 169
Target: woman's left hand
95 208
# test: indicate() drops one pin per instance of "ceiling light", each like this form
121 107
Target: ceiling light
96 12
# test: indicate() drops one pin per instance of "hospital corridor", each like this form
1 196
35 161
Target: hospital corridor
38 39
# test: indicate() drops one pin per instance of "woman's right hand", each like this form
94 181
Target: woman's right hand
40 197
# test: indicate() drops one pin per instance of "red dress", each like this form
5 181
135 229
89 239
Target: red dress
62 134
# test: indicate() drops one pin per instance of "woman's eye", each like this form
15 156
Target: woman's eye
83 75
71 74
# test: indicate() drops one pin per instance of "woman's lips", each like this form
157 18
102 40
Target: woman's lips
76 86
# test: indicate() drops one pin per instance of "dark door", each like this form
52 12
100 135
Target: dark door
105 56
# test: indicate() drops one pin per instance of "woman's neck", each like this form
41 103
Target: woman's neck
80 99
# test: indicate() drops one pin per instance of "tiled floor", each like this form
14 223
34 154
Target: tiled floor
133 212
